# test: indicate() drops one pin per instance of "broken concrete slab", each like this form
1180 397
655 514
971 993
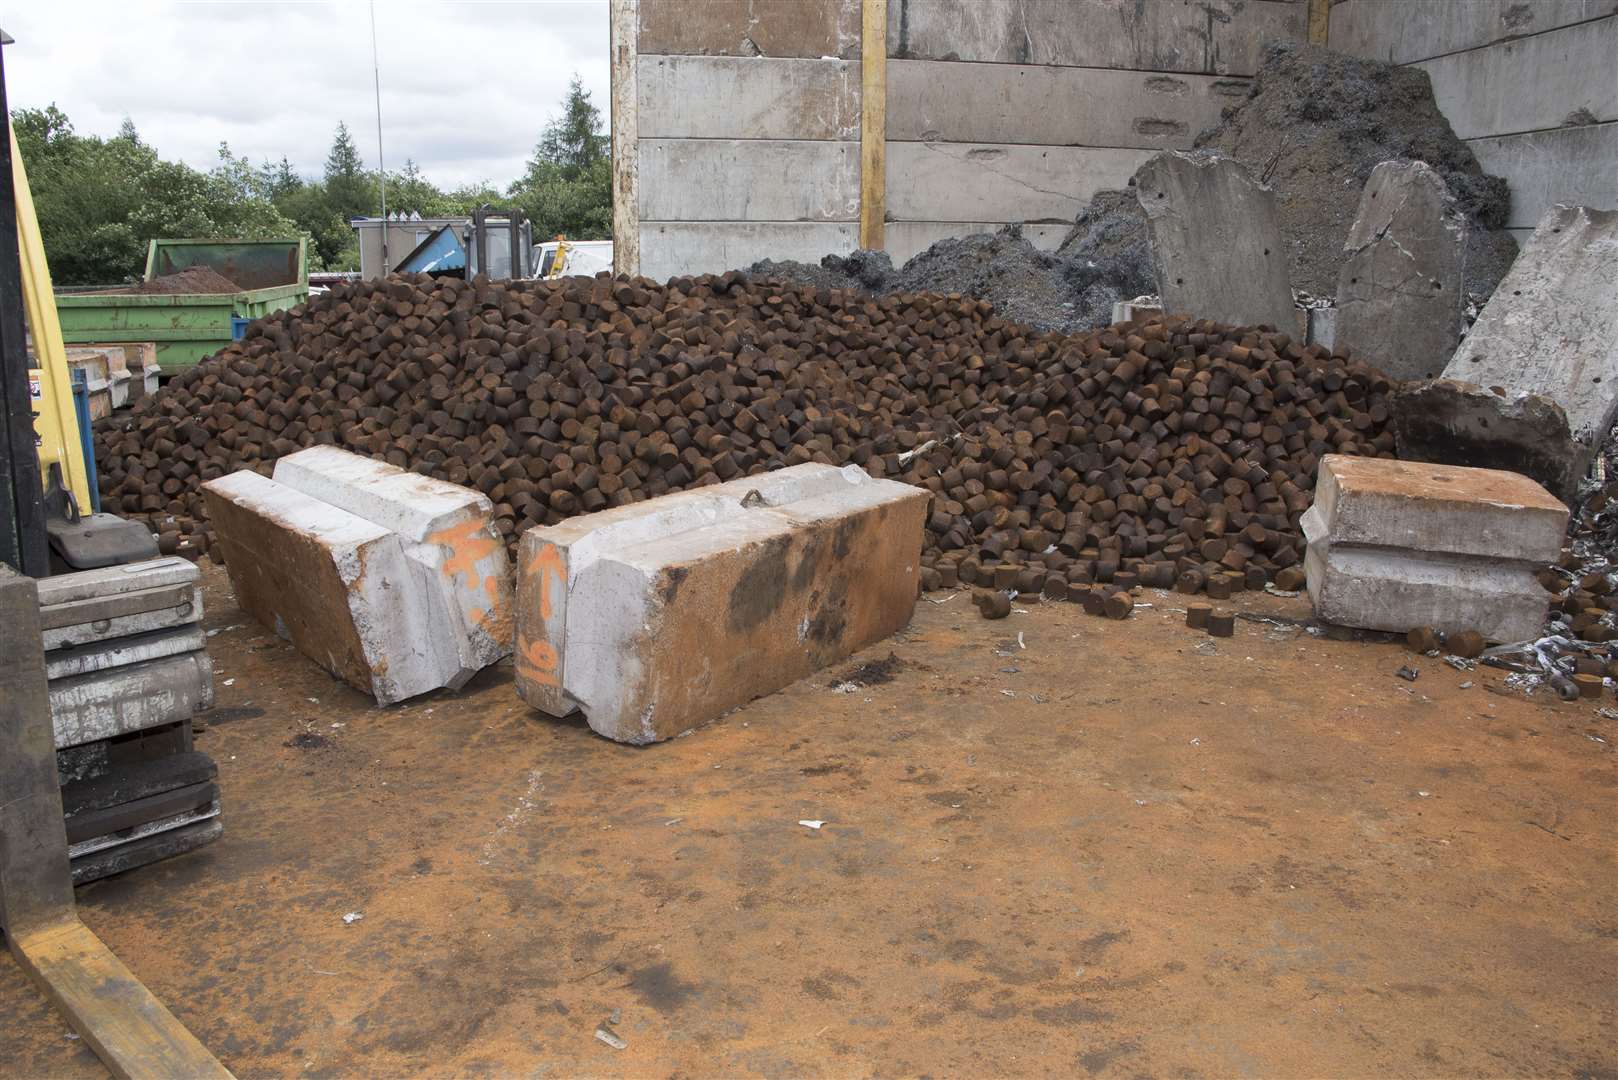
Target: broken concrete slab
340 588
1216 240
1394 545
1550 329
657 617
448 530
1462 423
396 583
1401 294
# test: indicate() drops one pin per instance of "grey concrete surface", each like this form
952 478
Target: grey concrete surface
1216 240
1401 295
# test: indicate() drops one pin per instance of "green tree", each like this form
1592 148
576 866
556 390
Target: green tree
349 189
573 141
566 187
100 201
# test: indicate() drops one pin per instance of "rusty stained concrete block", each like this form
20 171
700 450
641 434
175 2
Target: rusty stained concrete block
1395 545
657 617
335 585
447 530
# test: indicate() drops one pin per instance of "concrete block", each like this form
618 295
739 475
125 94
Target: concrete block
105 704
904 240
1531 83
1570 165
1129 311
938 181
1402 33
1551 327
339 587
1401 293
1216 37
1394 545
448 532
749 180
750 28
671 248
1462 423
657 617
1216 240
1321 326
934 100
776 98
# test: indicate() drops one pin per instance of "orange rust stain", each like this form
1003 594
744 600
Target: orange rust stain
537 662
546 562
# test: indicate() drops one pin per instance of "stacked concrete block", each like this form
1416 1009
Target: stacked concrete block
1549 331
396 583
1401 293
656 617
1395 545
1216 241
128 667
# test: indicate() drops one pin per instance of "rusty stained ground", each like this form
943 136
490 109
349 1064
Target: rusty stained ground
1106 854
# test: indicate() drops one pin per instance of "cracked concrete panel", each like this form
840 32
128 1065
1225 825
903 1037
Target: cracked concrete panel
764 99
808 28
1056 106
1531 84
1401 295
940 181
1216 241
1551 327
1404 33
749 180
1214 37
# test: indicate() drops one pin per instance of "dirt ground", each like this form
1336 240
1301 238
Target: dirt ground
1052 845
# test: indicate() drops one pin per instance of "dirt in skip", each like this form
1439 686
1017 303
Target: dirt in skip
193 279
1134 854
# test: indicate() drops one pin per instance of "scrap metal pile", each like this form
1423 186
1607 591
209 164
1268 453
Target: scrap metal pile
1174 450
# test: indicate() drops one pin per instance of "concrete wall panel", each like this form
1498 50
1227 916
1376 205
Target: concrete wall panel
727 97
937 181
808 28
1576 165
669 248
748 180
1531 83
1016 103
907 239
1218 37
1403 32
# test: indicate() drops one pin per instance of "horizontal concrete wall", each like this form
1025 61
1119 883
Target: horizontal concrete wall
997 111
1531 86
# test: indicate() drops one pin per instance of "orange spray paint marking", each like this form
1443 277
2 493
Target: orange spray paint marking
537 662
546 563
467 542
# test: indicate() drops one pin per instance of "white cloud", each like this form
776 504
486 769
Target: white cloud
466 86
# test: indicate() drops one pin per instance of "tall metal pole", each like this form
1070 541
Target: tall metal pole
381 165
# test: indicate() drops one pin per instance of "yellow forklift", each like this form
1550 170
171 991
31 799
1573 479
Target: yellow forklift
97 771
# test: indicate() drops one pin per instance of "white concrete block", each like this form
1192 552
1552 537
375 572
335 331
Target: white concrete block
657 617
447 530
339 587
672 248
123 651
1394 545
117 601
774 98
941 181
749 180
1403 32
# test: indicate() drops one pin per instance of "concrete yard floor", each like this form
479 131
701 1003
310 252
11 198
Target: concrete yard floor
1052 845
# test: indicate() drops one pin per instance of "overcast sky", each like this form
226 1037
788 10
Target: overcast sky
466 86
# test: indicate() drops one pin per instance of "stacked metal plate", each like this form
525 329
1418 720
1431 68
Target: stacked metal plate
127 662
